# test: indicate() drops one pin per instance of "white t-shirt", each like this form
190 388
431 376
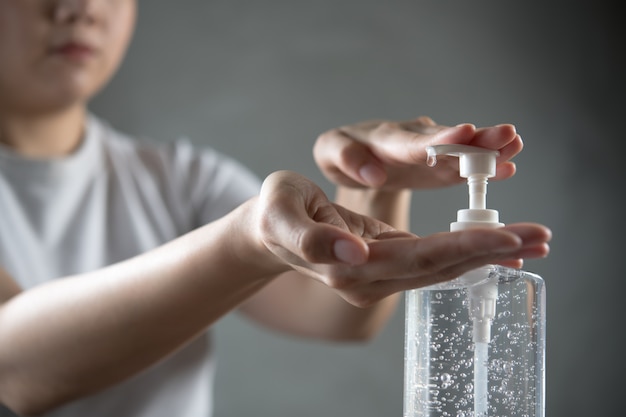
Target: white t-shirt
110 200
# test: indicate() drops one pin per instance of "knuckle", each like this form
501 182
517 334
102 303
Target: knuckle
326 136
424 265
344 155
266 222
310 247
265 229
388 125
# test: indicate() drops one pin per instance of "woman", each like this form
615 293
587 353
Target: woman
118 256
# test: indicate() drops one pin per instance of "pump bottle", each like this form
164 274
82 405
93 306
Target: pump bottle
475 345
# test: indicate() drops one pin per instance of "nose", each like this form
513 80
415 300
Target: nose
72 11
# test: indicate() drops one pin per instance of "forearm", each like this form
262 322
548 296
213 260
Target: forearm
300 306
77 335
334 319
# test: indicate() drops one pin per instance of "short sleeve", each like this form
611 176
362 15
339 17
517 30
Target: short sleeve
214 183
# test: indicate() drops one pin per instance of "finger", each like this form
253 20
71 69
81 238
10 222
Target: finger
505 170
540 250
530 233
357 161
465 249
494 137
454 270
348 161
511 149
535 238
424 124
513 260
512 263
298 238
501 137
410 258
448 255
395 234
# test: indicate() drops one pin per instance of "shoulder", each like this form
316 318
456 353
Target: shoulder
198 173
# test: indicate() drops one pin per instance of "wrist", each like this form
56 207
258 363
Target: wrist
247 245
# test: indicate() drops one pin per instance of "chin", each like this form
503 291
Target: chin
65 95
54 103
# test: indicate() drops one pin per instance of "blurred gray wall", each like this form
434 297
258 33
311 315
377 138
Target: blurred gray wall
261 79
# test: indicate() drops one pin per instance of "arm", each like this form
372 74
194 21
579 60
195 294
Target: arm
91 331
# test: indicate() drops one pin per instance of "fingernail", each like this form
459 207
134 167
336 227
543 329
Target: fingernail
372 174
507 125
349 252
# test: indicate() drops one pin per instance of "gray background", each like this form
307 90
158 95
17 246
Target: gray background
261 79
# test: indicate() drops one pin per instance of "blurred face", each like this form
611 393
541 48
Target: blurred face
57 53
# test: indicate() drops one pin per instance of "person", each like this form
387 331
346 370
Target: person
118 256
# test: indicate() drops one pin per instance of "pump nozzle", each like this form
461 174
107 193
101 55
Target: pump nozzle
476 164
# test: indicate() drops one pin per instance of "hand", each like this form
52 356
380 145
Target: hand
392 155
365 260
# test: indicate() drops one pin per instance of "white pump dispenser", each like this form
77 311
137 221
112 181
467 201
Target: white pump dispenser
477 165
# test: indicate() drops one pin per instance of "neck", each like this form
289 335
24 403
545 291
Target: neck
44 136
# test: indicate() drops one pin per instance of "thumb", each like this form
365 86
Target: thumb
300 224
350 252
324 243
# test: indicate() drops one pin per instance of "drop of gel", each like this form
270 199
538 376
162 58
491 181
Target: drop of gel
431 158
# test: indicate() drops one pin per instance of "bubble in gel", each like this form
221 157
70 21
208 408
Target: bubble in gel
446 379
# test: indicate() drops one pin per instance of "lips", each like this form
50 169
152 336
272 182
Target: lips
74 50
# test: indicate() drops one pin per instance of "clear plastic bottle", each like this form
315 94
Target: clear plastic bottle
475 346
443 366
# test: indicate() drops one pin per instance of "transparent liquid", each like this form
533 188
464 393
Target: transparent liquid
440 353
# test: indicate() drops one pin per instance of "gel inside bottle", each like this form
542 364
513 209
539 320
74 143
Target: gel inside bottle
475 346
